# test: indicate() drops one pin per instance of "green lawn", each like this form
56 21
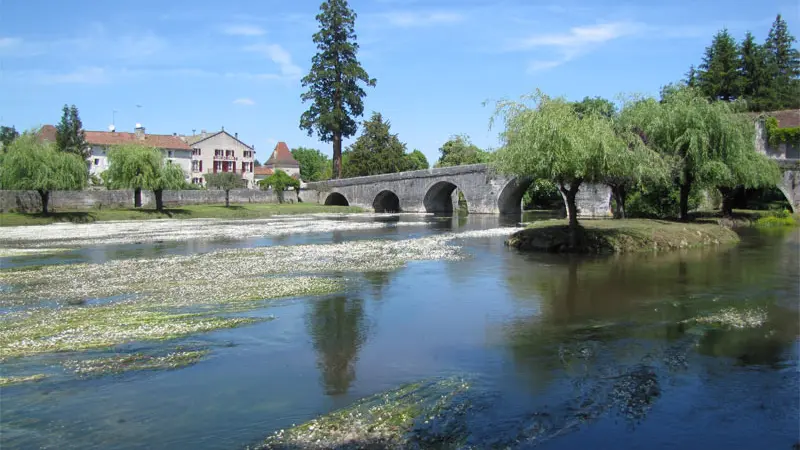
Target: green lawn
621 236
247 211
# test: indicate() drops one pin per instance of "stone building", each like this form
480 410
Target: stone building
282 159
220 152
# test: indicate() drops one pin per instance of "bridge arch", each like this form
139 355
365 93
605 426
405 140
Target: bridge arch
510 199
386 201
439 197
336 199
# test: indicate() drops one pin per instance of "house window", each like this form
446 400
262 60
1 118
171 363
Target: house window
97 161
195 166
196 152
201 166
229 153
217 166
248 154
169 154
218 153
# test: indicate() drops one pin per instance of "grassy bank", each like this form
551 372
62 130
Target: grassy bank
621 236
247 211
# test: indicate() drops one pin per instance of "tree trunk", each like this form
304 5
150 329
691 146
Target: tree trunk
137 198
227 198
337 155
685 189
45 200
572 211
619 200
158 194
728 196
279 192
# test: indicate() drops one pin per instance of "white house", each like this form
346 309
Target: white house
220 152
173 147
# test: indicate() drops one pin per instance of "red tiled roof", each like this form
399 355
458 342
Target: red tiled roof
165 141
261 170
47 133
789 118
281 156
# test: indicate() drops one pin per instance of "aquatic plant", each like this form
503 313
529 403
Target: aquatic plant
8 381
135 361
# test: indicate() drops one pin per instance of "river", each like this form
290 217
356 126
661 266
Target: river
543 338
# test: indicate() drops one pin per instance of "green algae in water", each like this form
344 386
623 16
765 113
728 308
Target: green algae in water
134 362
8 381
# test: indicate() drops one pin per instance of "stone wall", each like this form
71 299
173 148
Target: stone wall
30 201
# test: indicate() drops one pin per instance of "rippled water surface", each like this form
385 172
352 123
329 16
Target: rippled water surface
711 334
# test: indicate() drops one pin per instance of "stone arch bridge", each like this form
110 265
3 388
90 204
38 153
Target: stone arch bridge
436 191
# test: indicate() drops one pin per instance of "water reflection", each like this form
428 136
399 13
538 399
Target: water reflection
338 329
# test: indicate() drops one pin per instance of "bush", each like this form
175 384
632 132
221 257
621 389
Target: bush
542 194
659 202
777 219
776 135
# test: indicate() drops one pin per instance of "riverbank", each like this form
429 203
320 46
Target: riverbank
620 236
246 211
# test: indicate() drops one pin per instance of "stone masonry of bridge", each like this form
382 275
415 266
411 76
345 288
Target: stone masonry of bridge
787 155
436 191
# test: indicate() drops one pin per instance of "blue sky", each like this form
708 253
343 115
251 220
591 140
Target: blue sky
204 64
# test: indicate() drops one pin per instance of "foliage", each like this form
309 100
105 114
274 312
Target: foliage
279 181
705 142
776 135
312 163
766 76
70 136
718 75
550 141
32 165
597 105
459 151
542 194
658 201
417 160
7 136
376 151
225 181
138 167
779 219
256 163
334 80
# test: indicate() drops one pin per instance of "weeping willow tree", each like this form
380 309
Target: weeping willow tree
29 164
139 167
546 138
708 143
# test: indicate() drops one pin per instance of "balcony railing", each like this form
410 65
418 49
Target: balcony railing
225 158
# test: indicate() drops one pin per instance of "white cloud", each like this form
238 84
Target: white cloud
408 19
578 37
279 56
87 75
243 30
244 101
9 42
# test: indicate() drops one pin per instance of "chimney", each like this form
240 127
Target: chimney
236 135
139 131
203 133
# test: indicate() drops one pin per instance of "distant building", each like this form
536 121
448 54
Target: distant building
173 147
220 152
282 159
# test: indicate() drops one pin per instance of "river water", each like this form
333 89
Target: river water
543 338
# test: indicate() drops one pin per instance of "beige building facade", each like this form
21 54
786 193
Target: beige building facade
220 152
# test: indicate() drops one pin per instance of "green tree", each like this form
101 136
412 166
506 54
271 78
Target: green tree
225 181
784 65
718 74
333 81
70 136
702 140
691 77
753 75
279 182
32 165
138 167
376 151
256 163
417 160
596 105
312 163
550 141
7 136
459 151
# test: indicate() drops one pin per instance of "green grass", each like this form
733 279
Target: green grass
247 211
621 236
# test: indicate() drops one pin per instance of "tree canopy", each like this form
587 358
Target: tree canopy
459 151
335 79
7 136
279 182
546 138
719 71
225 181
704 142
70 136
29 164
376 151
417 160
313 163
